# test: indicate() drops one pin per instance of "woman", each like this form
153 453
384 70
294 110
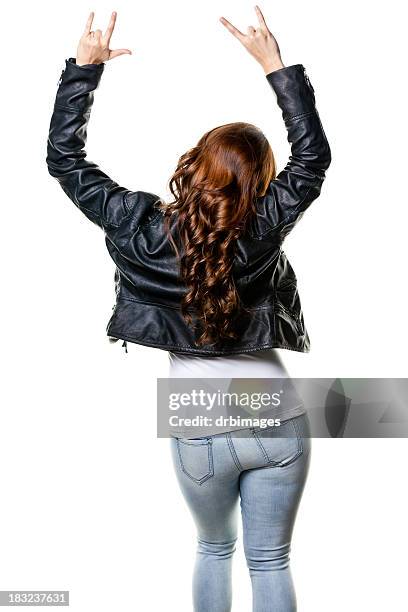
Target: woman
205 278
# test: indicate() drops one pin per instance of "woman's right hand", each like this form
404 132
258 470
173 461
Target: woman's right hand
259 42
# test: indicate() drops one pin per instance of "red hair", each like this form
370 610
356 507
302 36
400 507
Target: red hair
215 186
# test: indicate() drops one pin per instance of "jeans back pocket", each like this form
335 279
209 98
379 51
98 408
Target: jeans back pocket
280 445
196 458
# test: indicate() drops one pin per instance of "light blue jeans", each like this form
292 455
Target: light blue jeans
266 470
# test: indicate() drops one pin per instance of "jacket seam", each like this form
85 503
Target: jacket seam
160 305
128 208
151 220
300 116
289 311
167 346
291 215
139 226
73 109
147 303
129 211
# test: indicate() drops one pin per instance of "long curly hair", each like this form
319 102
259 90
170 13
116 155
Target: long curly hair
215 186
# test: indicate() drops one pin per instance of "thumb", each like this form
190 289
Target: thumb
118 52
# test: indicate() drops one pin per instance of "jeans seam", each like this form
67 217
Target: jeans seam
233 452
263 451
299 443
298 435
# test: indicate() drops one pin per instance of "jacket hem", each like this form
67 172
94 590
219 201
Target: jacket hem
177 348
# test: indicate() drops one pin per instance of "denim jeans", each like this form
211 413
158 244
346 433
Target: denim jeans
265 470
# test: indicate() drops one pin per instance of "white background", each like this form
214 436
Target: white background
89 501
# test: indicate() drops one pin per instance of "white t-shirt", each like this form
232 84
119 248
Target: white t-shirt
258 364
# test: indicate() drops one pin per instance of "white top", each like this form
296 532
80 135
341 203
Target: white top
258 364
263 364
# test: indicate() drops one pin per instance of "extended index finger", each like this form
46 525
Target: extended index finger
232 29
89 23
110 27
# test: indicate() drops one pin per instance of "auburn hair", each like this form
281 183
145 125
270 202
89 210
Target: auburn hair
215 186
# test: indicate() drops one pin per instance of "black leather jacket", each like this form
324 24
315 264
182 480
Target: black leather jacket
148 289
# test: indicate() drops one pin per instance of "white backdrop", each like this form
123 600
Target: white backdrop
89 502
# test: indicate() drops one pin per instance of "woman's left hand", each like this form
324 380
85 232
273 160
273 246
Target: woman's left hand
93 47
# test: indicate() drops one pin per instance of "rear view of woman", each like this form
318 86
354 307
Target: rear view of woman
205 278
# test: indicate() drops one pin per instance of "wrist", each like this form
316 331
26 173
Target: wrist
83 62
272 65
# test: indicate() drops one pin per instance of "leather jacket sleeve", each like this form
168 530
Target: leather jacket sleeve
100 198
300 182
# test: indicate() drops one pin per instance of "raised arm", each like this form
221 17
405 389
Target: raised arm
100 198
300 182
